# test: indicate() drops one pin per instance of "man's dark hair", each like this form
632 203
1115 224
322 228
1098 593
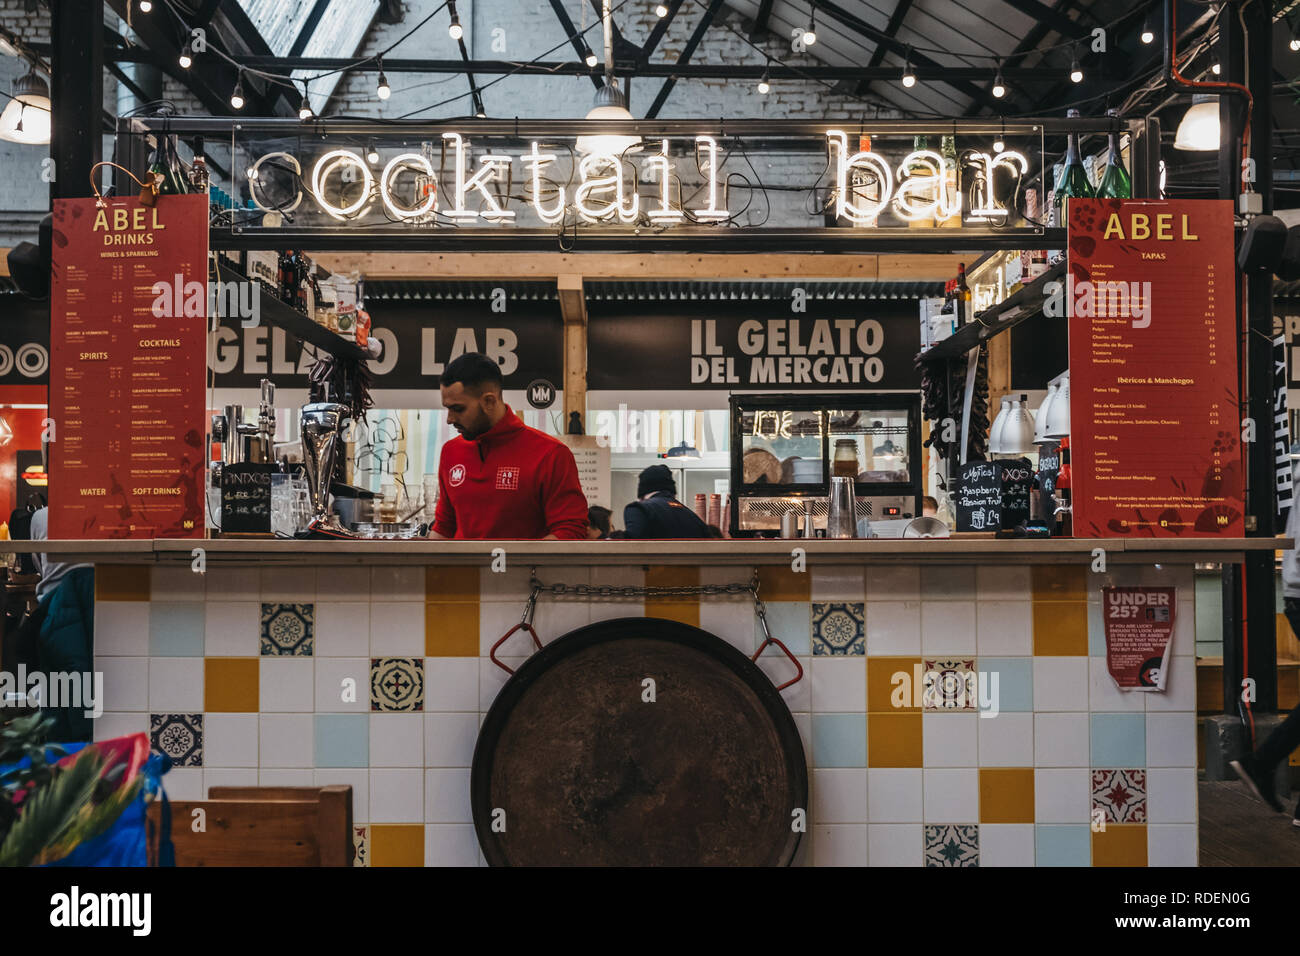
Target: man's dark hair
475 371
598 518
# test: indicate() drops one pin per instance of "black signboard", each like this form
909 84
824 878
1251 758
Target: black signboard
979 496
246 498
1017 485
1049 466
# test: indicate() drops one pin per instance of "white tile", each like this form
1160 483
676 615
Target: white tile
181 583
226 584
950 740
121 628
948 582
838 583
491 679
844 845
226 776
396 796
569 574
1104 695
894 795
397 629
615 608
397 740
893 628
405 583
895 844
893 582
617 576
510 585
108 726
1004 628
446 796
175 685
1180 686
839 685
1006 740
232 628
494 620
449 739
1062 796
839 796
947 628
556 617
286 741
1171 740
779 669
287 685
450 683
358 780
447 844
1007 844
285 585
1060 684
952 796
1172 845
343 584
284 778
230 740
339 677
1061 740
732 620
126 683
342 628
1004 582
183 783
1171 795
803 722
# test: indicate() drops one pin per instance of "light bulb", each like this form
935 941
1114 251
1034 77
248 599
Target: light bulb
1147 36
237 96
661 11
591 58
146 6
763 85
1216 69
383 91
185 60
909 78
1076 74
372 154
454 29
304 109
809 36
998 146
1295 44
999 90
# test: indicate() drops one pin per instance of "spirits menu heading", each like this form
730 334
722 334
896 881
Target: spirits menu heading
1154 433
127 370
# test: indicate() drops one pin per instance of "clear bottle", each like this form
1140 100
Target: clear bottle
918 169
865 185
951 184
844 464
1115 182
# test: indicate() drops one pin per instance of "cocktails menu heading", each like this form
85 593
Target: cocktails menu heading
128 342
1154 427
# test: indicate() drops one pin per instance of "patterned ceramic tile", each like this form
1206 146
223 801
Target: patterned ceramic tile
1120 794
839 629
949 844
950 685
288 629
361 846
396 683
179 736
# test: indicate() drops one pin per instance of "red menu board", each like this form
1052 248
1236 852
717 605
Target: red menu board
1155 443
128 346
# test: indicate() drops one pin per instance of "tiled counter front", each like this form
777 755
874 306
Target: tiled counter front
379 678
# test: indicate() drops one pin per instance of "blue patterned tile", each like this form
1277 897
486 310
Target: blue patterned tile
288 630
342 740
396 684
179 736
176 629
1119 740
839 629
1069 845
1015 682
948 844
789 623
839 740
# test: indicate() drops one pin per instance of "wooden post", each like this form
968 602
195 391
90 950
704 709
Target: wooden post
573 308
999 370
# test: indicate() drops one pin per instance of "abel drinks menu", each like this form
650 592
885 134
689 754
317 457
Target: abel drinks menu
1154 430
128 341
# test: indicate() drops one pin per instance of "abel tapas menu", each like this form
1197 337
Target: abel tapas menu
1153 372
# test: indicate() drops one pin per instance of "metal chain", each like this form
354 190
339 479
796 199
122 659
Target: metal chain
644 591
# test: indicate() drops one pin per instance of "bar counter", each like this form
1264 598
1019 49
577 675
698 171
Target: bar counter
366 663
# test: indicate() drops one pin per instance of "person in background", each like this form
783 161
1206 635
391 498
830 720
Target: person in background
657 513
500 478
929 506
598 525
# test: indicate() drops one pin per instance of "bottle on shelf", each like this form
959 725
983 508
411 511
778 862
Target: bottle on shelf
951 184
1074 178
1115 182
865 186
964 314
918 169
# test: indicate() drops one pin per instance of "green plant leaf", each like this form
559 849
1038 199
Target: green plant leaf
48 812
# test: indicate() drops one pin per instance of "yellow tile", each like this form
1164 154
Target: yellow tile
451 629
1060 582
444 583
396 844
672 576
122 582
687 612
230 685
1061 628
890 687
776 582
1120 844
1006 794
894 740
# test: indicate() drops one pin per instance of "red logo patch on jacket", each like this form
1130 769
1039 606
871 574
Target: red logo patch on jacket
508 478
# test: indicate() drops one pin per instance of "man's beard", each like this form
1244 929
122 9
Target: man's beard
476 428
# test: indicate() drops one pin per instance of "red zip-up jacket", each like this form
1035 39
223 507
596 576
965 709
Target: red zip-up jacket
511 482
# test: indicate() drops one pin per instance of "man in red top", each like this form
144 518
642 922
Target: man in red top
500 478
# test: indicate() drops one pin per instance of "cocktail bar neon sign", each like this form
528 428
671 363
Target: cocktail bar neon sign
606 187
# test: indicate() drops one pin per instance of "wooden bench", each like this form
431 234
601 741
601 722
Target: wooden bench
260 826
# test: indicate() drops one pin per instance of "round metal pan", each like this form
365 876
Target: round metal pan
576 766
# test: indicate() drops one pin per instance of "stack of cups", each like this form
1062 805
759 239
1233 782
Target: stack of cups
701 507
715 511
430 496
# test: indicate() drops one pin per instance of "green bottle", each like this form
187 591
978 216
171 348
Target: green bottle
1115 182
1074 178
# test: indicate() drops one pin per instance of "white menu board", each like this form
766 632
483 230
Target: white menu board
593 467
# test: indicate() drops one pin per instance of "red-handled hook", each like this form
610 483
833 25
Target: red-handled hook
531 633
785 650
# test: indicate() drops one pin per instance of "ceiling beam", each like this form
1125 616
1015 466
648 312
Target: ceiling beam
580 46
658 31
1024 48
1050 18
760 26
891 29
687 52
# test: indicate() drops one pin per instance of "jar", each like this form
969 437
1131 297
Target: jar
844 464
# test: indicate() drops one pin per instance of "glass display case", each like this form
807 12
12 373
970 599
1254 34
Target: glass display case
786 448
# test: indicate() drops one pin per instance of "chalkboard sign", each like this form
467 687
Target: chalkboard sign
1017 485
246 498
1049 466
979 496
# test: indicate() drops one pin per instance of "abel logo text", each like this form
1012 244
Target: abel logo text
75 908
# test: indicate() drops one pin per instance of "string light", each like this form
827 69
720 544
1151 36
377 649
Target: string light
372 154
383 91
1076 72
304 105
763 85
591 57
146 6
237 95
1216 69
810 34
661 10
454 29
909 78
186 61
1295 43
1148 35
999 87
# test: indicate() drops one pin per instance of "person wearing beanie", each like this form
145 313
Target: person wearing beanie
657 513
